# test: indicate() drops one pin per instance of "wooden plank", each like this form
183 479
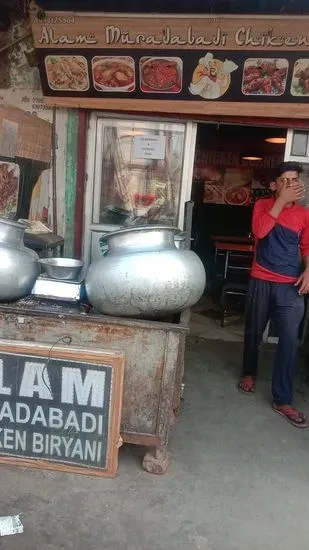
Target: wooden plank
70 182
34 135
143 343
177 108
16 353
80 183
145 440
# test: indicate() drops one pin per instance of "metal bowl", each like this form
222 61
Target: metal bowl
65 269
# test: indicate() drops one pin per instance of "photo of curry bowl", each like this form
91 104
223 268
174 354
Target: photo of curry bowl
237 196
68 73
161 74
113 74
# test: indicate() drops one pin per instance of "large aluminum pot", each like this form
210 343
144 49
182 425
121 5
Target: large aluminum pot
19 266
145 275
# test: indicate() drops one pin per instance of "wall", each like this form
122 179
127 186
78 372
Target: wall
20 87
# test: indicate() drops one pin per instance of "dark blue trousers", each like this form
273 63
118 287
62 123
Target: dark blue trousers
282 303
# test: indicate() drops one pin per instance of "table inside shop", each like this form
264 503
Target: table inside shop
232 250
154 361
237 239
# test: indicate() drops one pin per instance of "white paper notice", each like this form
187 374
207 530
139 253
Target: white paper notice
149 147
10 525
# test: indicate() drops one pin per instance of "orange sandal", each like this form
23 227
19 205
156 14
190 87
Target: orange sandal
247 385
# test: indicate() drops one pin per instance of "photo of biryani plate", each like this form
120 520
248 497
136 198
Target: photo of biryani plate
113 74
67 73
213 193
161 74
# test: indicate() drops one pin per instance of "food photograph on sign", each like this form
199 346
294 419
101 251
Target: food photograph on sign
113 74
9 187
212 77
300 78
161 75
265 77
68 73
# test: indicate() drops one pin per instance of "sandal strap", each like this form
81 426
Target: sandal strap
247 384
291 413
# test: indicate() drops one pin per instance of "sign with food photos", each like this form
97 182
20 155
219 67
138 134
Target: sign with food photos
192 64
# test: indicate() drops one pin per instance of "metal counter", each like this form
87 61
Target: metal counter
154 359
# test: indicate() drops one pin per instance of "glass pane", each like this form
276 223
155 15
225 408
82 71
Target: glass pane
299 144
141 173
305 179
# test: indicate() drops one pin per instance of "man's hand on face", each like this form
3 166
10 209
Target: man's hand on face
291 192
303 282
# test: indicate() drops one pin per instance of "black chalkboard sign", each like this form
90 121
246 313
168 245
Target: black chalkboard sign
60 407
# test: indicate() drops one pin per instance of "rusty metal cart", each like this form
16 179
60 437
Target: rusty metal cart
154 359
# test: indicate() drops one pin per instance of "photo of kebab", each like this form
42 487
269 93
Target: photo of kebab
300 79
9 185
265 77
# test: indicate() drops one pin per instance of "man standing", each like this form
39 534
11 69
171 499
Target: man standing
281 229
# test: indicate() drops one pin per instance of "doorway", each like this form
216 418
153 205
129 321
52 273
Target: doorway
233 168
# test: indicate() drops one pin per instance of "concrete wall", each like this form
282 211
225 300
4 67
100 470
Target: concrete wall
20 87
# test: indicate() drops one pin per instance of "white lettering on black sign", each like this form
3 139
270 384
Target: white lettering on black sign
54 409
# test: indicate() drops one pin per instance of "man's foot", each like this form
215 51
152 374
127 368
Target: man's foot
291 415
247 385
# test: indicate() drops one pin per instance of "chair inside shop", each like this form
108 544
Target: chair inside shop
235 281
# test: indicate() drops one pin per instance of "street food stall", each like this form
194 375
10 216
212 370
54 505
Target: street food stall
139 315
47 324
139 87
154 361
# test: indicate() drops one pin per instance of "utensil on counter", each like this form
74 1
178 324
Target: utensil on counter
65 269
144 274
18 265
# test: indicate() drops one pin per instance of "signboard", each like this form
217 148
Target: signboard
60 407
179 64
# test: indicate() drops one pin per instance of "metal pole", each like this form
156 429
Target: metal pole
54 178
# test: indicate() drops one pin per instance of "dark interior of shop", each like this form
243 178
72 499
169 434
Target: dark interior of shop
182 6
233 168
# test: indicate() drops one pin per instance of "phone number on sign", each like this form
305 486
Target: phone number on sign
55 20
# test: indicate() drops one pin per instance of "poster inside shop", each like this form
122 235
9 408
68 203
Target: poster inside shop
239 183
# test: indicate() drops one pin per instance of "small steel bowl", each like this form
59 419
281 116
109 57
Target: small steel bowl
65 269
